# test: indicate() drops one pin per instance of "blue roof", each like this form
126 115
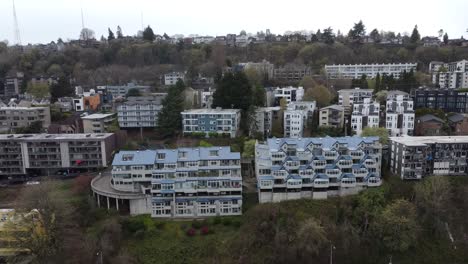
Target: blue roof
326 142
266 178
295 177
144 157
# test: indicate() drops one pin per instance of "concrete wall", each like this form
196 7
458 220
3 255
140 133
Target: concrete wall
140 206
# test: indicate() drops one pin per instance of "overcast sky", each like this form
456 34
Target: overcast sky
41 21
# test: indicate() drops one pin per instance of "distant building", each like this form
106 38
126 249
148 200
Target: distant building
264 118
458 124
291 94
220 121
12 118
293 123
348 97
366 114
413 158
332 116
291 73
11 85
448 100
122 90
71 125
429 125
173 77
97 123
140 111
355 71
87 101
294 168
399 116
431 41
452 75
264 68
21 154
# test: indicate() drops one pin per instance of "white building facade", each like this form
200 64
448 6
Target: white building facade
355 71
139 111
365 115
291 94
172 77
452 75
399 115
317 168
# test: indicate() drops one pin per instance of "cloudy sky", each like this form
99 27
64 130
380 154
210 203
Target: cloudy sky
47 20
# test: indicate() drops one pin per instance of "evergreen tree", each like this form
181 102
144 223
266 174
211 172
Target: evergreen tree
446 38
375 36
328 36
233 91
169 118
358 31
377 83
61 88
415 36
111 35
148 34
119 32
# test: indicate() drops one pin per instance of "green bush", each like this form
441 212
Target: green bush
227 221
217 220
197 224
133 225
213 134
236 223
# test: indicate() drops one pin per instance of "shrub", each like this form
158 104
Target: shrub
191 232
227 221
160 225
133 225
196 224
236 223
213 134
205 230
217 220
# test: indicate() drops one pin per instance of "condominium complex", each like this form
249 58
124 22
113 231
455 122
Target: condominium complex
140 111
220 121
11 85
12 118
348 97
413 158
291 73
24 153
290 94
332 116
181 183
294 168
172 77
448 100
452 75
97 123
264 118
365 114
355 71
122 90
399 116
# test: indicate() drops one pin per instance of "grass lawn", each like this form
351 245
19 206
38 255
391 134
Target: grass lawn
168 242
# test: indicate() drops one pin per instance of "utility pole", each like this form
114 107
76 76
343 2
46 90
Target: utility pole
332 247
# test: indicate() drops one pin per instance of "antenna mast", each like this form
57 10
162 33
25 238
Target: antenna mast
142 27
16 27
82 19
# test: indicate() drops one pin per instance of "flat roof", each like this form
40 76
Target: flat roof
210 111
22 107
97 116
29 137
423 141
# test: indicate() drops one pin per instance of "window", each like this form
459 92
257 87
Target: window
213 153
182 154
161 155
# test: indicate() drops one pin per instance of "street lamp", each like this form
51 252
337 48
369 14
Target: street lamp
100 254
332 247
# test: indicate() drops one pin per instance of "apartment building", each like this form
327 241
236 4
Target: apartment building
448 100
308 107
264 118
172 77
140 111
294 168
291 73
366 114
332 116
122 90
38 153
220 121
290 94
11 85
293 123
14 117
348 97
265 69
87 101
355 71
413 158
452 75
399 114
97 123
182 183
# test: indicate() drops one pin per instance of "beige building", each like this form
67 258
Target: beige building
97 123
12 117
332 116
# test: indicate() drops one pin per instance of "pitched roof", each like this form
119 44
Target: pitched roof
429 117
